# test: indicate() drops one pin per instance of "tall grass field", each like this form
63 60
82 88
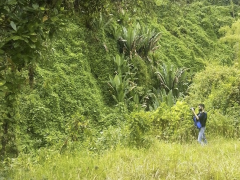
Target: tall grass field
219 159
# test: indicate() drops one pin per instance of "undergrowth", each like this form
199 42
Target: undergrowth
217 160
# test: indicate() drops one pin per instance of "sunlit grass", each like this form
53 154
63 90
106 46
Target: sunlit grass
217 160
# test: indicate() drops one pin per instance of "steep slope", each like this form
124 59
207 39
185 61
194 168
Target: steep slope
75 83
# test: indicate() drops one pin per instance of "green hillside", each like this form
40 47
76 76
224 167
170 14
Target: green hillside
95 76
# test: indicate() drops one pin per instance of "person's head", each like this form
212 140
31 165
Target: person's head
201 107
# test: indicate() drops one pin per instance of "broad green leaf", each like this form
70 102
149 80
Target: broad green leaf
13 25
33 46
55 18
14 38
117 80
33 38
136 98
42 8
4 88
12 2
118 60
121 96
111 81
35 6
2 82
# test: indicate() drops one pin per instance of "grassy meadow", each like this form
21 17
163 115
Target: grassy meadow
219 159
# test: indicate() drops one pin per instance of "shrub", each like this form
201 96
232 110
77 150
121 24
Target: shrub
214 77
218 88
139 125
173 123
166 123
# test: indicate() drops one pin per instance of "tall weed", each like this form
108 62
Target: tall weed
218 160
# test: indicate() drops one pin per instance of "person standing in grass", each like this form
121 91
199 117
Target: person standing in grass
202 117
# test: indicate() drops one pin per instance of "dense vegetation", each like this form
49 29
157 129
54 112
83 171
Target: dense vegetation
95 76
161 161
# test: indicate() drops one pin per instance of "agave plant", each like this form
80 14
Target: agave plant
122 83
131 40
115 30
99 22
161 96
136 40
121 86
122 64
149 41
173 79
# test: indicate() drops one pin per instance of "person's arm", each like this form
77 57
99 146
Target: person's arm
195 114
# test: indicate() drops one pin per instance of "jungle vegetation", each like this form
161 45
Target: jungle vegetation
103 77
